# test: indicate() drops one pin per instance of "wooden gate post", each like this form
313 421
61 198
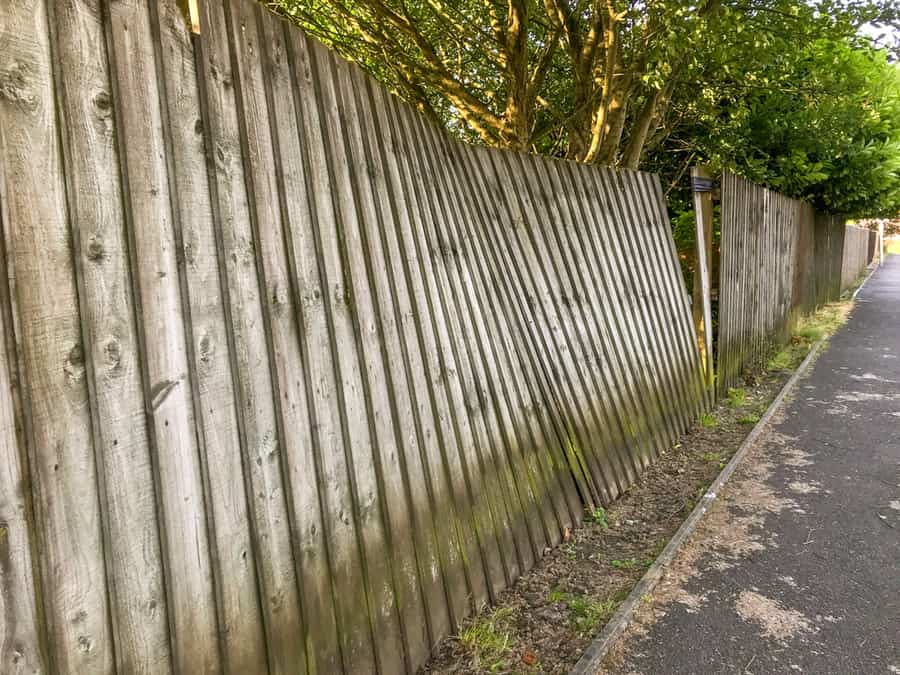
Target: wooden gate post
702 186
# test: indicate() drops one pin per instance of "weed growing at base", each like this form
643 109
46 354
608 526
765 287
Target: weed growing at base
489 640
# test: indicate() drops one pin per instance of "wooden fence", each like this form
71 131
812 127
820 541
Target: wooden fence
289 380
858 250
779 260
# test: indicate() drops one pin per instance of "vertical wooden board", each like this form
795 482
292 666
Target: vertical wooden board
465 311
499 402
615 224
579 295
551 180
635 240
562 352
541 230
436 251
154 255
22 634
395 319
528 417
125 469
428 400
50 351
695 381
303 304
459 438
672 367
457 313
519 413
540 325
601 224
674 308
236 545
358 225
540 442
673 346
312 260
252 130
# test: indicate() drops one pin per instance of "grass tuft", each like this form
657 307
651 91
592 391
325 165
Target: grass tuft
488 639
737 396
586 612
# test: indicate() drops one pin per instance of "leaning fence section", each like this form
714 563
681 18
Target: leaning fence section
289 380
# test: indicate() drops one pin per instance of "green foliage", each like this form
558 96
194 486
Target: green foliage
488 639
819 120
737 396
786 93
708 420
599 516
586 612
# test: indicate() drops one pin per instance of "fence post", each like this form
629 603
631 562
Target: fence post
702 186
881 243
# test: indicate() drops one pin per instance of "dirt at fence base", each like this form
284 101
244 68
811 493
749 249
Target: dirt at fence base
545 621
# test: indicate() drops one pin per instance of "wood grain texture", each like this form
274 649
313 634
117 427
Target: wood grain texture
125 470
23 646
149 199
779 260
51 352
343 379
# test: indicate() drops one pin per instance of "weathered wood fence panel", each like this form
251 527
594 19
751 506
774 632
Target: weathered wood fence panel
779 260
857 254
291 381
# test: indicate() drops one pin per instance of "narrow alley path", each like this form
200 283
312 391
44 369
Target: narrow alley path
796 567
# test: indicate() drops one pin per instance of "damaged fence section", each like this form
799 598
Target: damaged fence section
289 380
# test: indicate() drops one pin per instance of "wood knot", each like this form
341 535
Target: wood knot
15 85
112 352
205 349
74 364
103 102
95 250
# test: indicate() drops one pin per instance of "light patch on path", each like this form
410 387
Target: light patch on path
872 377
895 504
804 488
860 397
777 622
793 456
692 602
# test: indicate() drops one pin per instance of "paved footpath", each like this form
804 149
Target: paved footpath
796 566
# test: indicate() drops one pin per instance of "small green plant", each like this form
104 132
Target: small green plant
737 396
712 457
586 612
631 563
750 418
570 551
783 360
708 420
556 594
599 516
488 639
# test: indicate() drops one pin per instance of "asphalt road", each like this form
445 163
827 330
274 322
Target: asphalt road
796 567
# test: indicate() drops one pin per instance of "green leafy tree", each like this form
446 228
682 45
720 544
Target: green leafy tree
591 80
